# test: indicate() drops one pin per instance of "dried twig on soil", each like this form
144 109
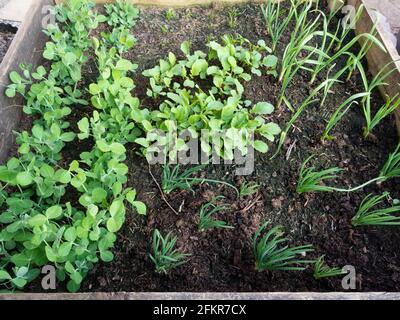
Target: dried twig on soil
162 192
251 204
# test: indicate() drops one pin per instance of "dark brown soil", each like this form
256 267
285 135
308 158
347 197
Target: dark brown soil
222 260
7 34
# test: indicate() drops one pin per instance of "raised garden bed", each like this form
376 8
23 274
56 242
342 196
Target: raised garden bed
223 259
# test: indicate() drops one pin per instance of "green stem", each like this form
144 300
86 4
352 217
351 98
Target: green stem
215 181
359 187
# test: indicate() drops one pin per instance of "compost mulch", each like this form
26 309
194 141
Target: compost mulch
222 260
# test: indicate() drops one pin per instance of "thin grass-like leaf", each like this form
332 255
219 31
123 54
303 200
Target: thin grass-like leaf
311 180
271 254
164 256
207 211
323 271
366 215
391 168
340 112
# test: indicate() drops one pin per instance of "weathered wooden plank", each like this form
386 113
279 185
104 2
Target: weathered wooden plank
175 3
378 59
26 48
205 296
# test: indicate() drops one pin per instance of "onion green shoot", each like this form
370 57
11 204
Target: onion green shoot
276 20
325 48
174 178
340 113
390 105
391 169
313 181
248 188
232 17
301 35
165 256
272 253
170 14
388 108
353 60
307 102
345 31
207 211
367 215
321 270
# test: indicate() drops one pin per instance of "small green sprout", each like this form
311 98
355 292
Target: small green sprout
232 17
323 271
170 14
312 181
206 216
248 188
176 179
164 256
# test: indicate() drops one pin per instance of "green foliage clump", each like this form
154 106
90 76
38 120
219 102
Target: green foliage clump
188 106
170 14
38 226
174 178
248 188
311 180
121 14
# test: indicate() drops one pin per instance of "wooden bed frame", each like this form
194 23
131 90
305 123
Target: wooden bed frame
27 48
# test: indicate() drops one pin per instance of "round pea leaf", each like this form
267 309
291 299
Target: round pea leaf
37 221
24 179
4 275
54 212
65 249
106 256
270 61
98 195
